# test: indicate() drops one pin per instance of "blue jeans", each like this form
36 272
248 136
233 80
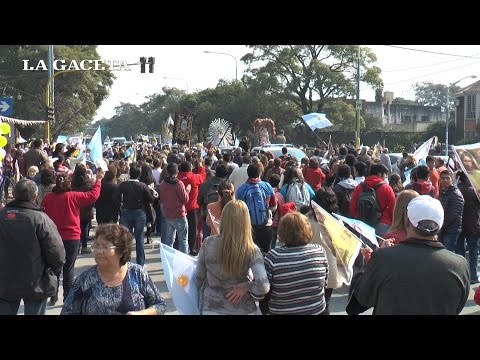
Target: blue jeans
158 221
449 240
179 225
71 252
472 243
85 231
31 307
134 221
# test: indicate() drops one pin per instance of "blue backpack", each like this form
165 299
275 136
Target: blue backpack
257 204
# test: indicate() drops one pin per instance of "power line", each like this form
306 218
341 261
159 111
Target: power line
433 52
424 66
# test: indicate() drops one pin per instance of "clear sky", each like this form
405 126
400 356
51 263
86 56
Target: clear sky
187 66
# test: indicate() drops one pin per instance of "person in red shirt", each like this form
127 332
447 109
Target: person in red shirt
313 175
194 180
63 205
385 198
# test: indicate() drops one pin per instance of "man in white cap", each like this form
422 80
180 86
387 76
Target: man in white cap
417 276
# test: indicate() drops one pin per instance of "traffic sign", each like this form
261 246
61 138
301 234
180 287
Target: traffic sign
6 106
358 105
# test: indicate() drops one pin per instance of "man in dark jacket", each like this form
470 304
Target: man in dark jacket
452 202
416 277
31 253
470 225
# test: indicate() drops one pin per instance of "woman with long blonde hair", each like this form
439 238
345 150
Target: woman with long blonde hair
223 266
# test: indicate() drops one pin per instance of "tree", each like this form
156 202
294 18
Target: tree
308 75
78 94
431 94
402 101
373 123
438 129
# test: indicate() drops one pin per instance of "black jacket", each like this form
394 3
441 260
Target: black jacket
452 202
415 277
471 211
31 252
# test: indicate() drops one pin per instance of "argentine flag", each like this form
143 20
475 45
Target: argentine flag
179 270
363 228
95 145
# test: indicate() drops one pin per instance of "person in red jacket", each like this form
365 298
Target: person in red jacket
385 198
63 205
194 180
313 175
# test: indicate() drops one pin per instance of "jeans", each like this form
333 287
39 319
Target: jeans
449 240
274 237
179 225
134 221
472 243
158 221
262 237
71 252
192 229
37 307
85 231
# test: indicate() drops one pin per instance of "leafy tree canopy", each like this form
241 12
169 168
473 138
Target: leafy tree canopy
78 94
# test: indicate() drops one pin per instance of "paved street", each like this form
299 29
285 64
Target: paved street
154 267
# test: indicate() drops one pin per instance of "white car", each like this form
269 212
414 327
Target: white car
276 150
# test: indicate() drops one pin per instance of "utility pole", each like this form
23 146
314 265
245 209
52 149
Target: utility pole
357 104
50 91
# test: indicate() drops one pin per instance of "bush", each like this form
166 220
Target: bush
398 148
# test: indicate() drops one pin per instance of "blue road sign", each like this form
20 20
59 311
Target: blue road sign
6 106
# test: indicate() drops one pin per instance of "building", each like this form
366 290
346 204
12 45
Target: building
402 117
467 113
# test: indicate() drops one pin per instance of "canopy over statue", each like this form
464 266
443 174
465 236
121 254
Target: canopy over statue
265 129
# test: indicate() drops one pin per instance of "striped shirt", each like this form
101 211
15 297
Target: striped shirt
298 277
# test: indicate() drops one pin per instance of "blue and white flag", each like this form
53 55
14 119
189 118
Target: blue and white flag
422 152
179 270
364 229
95 145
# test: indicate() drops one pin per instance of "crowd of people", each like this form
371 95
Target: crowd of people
246 217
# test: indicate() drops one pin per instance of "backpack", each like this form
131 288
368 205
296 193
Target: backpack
298 194
367 207
257 205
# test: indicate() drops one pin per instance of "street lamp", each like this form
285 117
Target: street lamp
172 78
222 53
448 107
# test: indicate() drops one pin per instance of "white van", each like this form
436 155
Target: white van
119 140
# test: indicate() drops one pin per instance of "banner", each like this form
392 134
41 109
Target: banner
346 245
468 158
182 128
363 229
179 270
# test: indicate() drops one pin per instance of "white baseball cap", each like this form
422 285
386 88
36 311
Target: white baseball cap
424 207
